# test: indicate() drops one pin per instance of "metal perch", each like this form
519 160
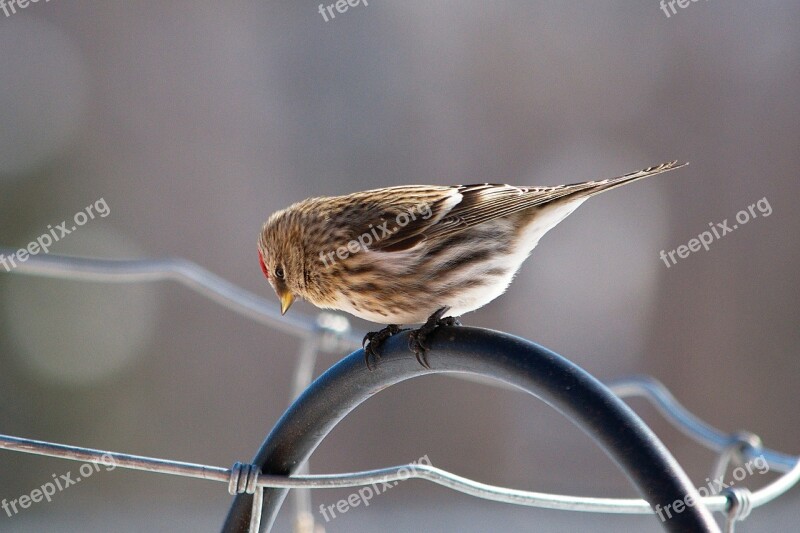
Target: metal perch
523 364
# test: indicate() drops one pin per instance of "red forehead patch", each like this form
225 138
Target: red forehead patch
263 265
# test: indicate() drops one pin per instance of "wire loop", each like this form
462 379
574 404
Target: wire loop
244 479
332 332
739 506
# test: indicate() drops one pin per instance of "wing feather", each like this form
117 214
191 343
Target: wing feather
485 202
433 212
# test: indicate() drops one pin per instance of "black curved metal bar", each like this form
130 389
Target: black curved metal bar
555 380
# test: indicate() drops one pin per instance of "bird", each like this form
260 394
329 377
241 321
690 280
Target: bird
411 254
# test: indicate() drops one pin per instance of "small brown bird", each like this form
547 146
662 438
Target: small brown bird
410 254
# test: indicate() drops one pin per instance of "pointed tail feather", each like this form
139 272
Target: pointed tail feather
595 187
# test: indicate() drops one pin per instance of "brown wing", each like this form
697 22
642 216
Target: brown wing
431 212
481 203
397 217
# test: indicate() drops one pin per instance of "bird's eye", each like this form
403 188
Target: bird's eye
279 273
263 265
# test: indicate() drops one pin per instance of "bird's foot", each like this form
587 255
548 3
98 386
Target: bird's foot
373 341
417 339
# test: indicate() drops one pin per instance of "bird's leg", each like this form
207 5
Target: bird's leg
417 338
373 341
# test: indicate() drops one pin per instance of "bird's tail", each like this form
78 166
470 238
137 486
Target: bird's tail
590 188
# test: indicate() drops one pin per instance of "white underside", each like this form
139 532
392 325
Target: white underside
472 299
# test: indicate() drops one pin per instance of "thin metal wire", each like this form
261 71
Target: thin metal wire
690 425
384 475
184 272
244 479
335 329
303 375
335 334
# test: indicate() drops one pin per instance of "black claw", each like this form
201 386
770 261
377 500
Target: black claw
373 341
417 338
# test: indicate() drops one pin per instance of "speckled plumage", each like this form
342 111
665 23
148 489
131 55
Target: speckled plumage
430 246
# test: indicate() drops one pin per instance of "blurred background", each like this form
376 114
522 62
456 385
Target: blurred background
194 120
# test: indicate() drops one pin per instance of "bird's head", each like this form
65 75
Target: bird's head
282 259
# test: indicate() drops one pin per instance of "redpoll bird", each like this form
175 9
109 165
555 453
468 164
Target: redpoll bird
409 254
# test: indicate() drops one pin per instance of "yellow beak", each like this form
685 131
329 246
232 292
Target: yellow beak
287 299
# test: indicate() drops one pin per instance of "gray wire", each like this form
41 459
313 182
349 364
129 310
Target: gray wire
357 479
303 374
335 334
384 475
690 425
335 329
189 274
